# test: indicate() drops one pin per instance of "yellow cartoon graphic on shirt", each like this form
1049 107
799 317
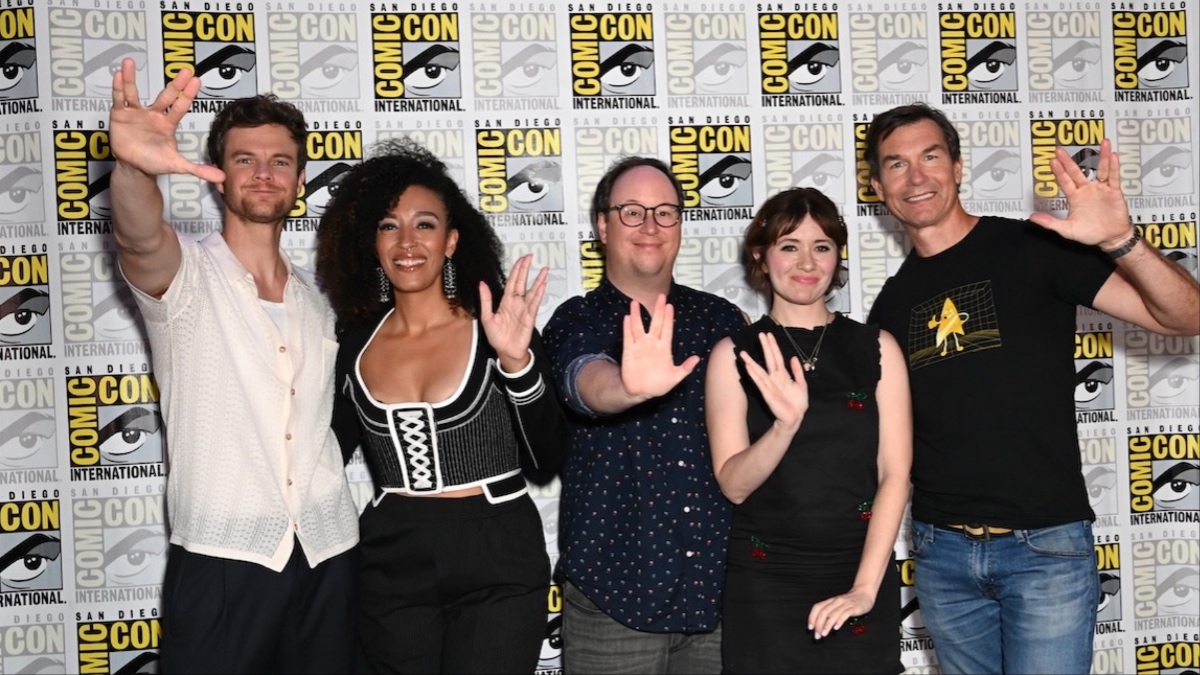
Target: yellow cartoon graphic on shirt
952 323
949 325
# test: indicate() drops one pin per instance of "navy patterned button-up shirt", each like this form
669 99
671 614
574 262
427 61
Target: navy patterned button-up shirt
643 523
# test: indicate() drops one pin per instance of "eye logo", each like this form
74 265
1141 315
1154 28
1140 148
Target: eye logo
1166 586
20 193
218 47
979 55
1108 564
713 164
515 56
26 439
520 172
1174 379
889 52
18 56
416 62
1164 472
800 55
1081 139
30 549
131 436
24 300
1063 54
991 163
116 423
97 305
1160 152
118 542
313 56
87 49
1094 372
611 55
32 563
330 155
1150 52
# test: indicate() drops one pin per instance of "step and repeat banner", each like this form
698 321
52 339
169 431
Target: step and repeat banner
529 102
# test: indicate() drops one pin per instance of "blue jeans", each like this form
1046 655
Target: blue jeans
1024 603
594 642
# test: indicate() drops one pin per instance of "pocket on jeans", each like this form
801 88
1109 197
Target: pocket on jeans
921 535
1073 540
577 600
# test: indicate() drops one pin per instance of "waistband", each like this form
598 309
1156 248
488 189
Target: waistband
978 531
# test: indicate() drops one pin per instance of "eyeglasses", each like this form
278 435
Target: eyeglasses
634 215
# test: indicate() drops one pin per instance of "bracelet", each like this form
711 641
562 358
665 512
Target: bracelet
1127 246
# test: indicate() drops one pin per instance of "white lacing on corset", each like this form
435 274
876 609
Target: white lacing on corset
415 432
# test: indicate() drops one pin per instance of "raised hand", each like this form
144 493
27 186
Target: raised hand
1096 211
510 327
782 384
143 137
648 367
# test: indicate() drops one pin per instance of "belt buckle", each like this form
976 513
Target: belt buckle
979 532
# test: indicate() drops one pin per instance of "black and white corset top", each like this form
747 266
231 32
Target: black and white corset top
468 440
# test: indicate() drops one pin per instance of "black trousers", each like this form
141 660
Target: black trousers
453 585
229 616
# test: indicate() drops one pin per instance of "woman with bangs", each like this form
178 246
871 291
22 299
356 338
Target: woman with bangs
811 434
442 380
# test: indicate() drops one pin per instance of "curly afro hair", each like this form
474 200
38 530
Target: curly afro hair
346 260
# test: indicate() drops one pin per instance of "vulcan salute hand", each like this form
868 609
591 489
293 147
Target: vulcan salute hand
143 138
1096 211
782 385
509 328
648 367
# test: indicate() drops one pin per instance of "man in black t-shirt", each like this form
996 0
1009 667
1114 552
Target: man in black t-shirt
984 310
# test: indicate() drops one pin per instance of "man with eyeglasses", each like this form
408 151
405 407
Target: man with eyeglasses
643 523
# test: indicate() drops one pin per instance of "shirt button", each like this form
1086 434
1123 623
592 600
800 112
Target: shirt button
293 392
687 509
690 554
282 349
289 482
682 463
674 420
289 437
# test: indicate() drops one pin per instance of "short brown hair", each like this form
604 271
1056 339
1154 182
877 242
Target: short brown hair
778 217
257 111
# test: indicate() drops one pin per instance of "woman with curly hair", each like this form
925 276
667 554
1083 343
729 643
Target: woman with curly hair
441 378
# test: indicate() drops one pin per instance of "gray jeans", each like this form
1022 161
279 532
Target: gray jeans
594 642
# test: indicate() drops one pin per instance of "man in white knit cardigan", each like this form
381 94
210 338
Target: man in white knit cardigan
262 526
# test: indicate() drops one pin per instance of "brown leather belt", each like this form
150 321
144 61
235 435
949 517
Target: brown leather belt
981 532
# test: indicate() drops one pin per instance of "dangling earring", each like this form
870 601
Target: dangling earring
449 279
385 286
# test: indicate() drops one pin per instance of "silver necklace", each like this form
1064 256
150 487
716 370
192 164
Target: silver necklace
809 363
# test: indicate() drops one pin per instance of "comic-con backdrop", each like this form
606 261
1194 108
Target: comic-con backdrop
529 102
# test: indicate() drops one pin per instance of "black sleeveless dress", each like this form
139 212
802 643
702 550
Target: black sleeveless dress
798 538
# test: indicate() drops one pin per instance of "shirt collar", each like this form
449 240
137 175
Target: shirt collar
232 268
610 293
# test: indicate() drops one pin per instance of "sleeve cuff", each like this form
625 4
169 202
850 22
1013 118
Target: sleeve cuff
524 381
571 382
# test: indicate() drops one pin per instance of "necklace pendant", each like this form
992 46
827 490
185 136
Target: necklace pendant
808 366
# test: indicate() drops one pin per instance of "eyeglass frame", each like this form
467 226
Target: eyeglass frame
651 211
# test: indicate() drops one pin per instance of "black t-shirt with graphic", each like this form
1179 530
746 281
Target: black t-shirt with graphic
988 329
